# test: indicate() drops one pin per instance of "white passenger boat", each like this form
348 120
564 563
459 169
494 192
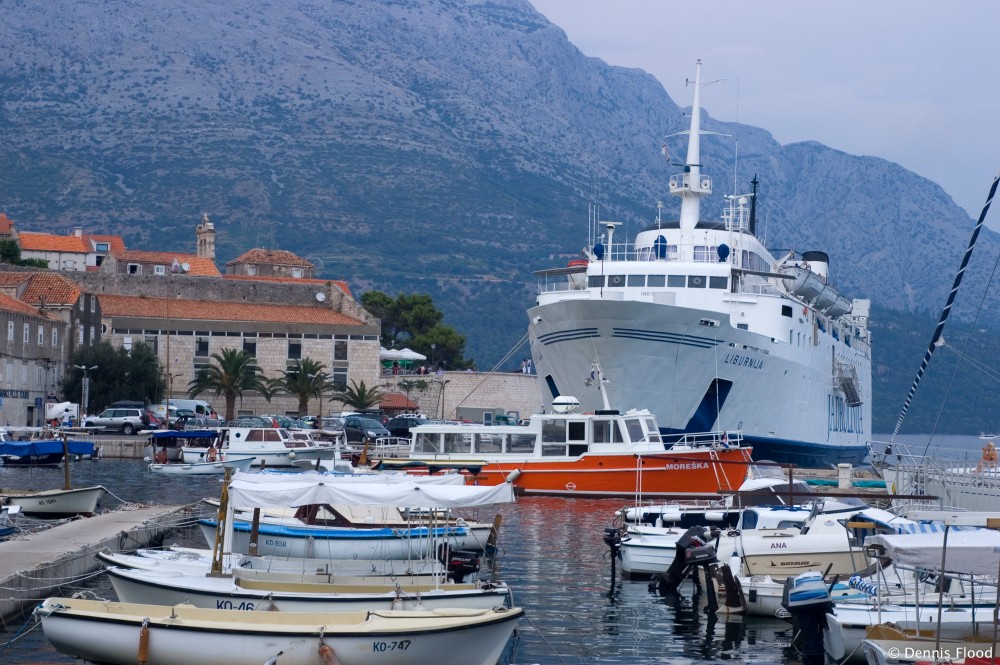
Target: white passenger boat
266 446
276 592
122 634
568 453
699 323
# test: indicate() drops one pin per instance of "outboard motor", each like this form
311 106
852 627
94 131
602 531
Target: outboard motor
807 599
458 562
692 551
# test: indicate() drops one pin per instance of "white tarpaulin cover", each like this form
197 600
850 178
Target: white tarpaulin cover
975 552
386 477
247 491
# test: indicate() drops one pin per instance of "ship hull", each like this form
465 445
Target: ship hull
695 371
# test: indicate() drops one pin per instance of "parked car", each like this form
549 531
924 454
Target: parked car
201 422
127 421
357 429
333 424
250 421
400 425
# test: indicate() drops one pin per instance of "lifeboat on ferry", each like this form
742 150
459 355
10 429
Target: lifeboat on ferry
575 263
807 284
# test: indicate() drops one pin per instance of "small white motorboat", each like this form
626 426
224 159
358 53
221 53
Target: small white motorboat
201 468
272 592
122 634
55 503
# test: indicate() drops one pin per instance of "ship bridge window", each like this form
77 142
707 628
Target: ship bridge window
705 253
595 281
696 281
521 443
676 280
637 280
718 282
616 280
427 443
553 431
457 443
656 280
489 443
652 433
786 310
634 428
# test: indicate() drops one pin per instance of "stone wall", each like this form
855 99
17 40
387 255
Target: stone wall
507 391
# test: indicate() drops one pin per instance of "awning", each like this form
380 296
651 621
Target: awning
247 491
973 552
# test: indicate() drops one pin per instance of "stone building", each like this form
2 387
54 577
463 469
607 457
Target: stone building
32 349
76 252
158 264
270 263
59 297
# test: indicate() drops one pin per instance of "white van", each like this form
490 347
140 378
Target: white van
199 406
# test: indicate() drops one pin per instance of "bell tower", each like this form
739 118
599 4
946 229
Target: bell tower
205 234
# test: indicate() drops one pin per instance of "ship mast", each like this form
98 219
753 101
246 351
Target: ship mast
691 185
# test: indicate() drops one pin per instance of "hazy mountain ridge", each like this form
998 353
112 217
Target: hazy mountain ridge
440 146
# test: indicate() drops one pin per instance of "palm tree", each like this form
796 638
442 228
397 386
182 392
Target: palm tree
359 396
233 373
305 379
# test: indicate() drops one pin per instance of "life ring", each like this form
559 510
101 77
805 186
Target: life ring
805 311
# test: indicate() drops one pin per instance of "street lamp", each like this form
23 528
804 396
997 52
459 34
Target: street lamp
442 383
433 346
85 397
322 378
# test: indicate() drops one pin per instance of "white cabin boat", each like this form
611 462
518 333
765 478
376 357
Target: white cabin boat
266 446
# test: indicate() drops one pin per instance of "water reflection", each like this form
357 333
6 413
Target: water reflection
551 553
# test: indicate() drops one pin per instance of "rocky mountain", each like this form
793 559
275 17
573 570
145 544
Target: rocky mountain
441 146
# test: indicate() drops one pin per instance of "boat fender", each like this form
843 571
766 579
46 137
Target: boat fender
326 654
143 654
513 476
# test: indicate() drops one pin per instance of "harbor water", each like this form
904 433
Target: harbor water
551 554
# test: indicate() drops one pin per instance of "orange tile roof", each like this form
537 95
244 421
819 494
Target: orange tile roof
199 266
397 401
8 304
115 243
279 257
12 278
46 242
340 284
53 288
202 310
6 225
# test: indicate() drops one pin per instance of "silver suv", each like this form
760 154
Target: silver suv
129 421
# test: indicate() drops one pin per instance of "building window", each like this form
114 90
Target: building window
251 270
201 347
102 247
338 377
93 335
93 304
159 270
10 332
296 272
10 373
55 337
24 374
294 350
81 302
27 333
250 347
79 334
153 342
39 381
340 350
134 269
41 335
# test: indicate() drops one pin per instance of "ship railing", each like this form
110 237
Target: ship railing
967 483
719 439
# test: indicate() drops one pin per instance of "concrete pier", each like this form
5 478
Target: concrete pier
34 567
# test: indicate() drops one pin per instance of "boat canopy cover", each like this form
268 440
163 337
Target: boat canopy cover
23 448
276 476
249 491
975 551
184 434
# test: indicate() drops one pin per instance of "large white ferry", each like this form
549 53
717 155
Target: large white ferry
699 323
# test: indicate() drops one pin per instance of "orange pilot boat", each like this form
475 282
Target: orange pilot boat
600 454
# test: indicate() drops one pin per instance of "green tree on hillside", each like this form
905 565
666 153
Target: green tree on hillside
412 320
